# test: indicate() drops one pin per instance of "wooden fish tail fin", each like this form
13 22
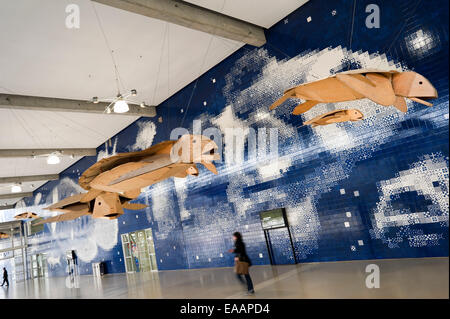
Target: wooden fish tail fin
311 123
278 102
400 104
287 94
304 107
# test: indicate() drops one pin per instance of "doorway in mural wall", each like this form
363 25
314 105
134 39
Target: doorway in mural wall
278 237
139 251
38 266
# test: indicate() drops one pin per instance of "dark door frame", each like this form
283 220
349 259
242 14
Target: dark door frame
269 245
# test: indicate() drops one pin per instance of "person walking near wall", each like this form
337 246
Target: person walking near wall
5 277
242 262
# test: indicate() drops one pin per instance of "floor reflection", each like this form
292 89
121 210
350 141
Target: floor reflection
400 278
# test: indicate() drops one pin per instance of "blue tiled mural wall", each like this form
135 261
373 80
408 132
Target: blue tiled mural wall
377 188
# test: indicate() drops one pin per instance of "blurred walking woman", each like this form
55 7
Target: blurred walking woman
242 262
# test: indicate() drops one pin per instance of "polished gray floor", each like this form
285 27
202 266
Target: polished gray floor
399 278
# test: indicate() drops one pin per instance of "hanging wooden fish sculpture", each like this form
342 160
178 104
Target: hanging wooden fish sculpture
114 181
383 87
4 235
26 215
336 116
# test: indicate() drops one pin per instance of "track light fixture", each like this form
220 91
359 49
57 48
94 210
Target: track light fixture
119 104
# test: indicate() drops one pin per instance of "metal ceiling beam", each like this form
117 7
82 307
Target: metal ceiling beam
5 207
47 151
16 195
23 102
31 178
193 17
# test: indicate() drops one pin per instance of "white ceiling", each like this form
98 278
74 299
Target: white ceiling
264 13
39 56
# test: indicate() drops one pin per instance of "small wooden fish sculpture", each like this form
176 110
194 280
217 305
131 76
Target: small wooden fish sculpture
26 215
336 116
383 87
4 235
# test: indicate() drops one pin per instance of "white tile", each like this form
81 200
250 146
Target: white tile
360 242
346 224
342 190
348 214
309 19
260 255
356 193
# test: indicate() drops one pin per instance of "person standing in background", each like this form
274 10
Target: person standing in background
5 277
242 262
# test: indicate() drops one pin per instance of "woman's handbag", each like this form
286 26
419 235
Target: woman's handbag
241 267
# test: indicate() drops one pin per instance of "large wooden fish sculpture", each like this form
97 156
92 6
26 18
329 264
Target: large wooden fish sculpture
114 181
26 215
383 87
336 116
